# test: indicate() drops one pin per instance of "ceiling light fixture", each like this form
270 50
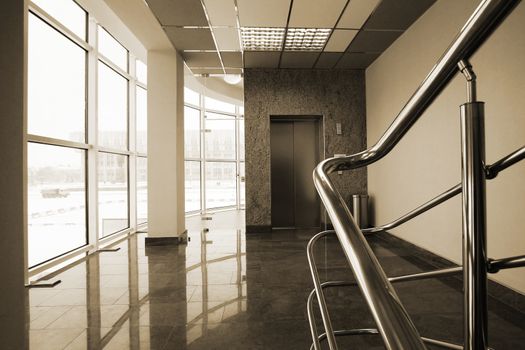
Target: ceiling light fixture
262 38
232 79
306 39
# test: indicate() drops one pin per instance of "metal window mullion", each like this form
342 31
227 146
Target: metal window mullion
202 153
132 137
237 155
56 142
115 67
92 137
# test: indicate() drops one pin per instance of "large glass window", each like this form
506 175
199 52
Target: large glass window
221 187
192 132
67 12
142 120
56 84
112 108
220 136
213 175
192 185
64 162
216 105
142 71
112 193
112 49
56 201
191 97
142 190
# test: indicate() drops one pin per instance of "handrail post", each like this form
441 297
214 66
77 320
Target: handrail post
474 218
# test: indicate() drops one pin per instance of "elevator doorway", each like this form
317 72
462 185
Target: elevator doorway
295 152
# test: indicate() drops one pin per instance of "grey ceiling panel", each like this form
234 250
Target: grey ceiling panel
202 59
373 41
397 14
178 12
232 59
352 60
298 59
190 38
260 59
328 60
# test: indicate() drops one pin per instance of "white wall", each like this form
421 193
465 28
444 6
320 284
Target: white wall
165 144
427 161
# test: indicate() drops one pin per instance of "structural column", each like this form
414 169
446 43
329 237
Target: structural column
166 222
13 70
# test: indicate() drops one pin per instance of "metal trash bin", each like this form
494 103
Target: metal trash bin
360 209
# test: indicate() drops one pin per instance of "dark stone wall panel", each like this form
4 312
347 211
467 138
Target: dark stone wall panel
338 96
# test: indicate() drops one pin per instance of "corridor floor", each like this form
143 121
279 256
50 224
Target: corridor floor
228 290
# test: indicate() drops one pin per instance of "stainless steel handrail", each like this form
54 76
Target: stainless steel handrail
491 170
393 322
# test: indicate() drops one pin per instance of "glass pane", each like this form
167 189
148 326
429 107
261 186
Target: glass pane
242 186
142 120
216 105
142 190
56 84
241 110
241 139
192 133
56 201
221 189
191 97
112 108
192 185
112 49
67 12
112 193
142 71
220 137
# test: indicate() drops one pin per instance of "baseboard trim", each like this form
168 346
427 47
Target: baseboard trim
258 228
496 291
163 241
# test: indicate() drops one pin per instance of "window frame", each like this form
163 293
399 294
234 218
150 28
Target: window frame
91 145
203 160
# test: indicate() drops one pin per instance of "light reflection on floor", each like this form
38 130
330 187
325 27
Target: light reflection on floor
117 300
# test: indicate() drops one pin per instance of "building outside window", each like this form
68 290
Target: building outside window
87 133
214 153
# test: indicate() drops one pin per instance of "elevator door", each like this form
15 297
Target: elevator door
294 155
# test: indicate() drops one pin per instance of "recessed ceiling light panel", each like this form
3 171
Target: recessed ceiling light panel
306 39
262 39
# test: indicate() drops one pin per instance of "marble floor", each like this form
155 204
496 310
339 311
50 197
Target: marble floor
228 290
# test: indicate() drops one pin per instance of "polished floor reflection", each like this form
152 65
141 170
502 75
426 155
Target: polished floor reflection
226 290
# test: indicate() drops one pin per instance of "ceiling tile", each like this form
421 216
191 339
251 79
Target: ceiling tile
267 13
352 60
261 59
202 59
315 13
190 38
356 13
298 59
327 60
232 59
340 40
397 14
227 39
178 12
221 12
373 41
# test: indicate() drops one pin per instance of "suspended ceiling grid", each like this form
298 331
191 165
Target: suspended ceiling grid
350 34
